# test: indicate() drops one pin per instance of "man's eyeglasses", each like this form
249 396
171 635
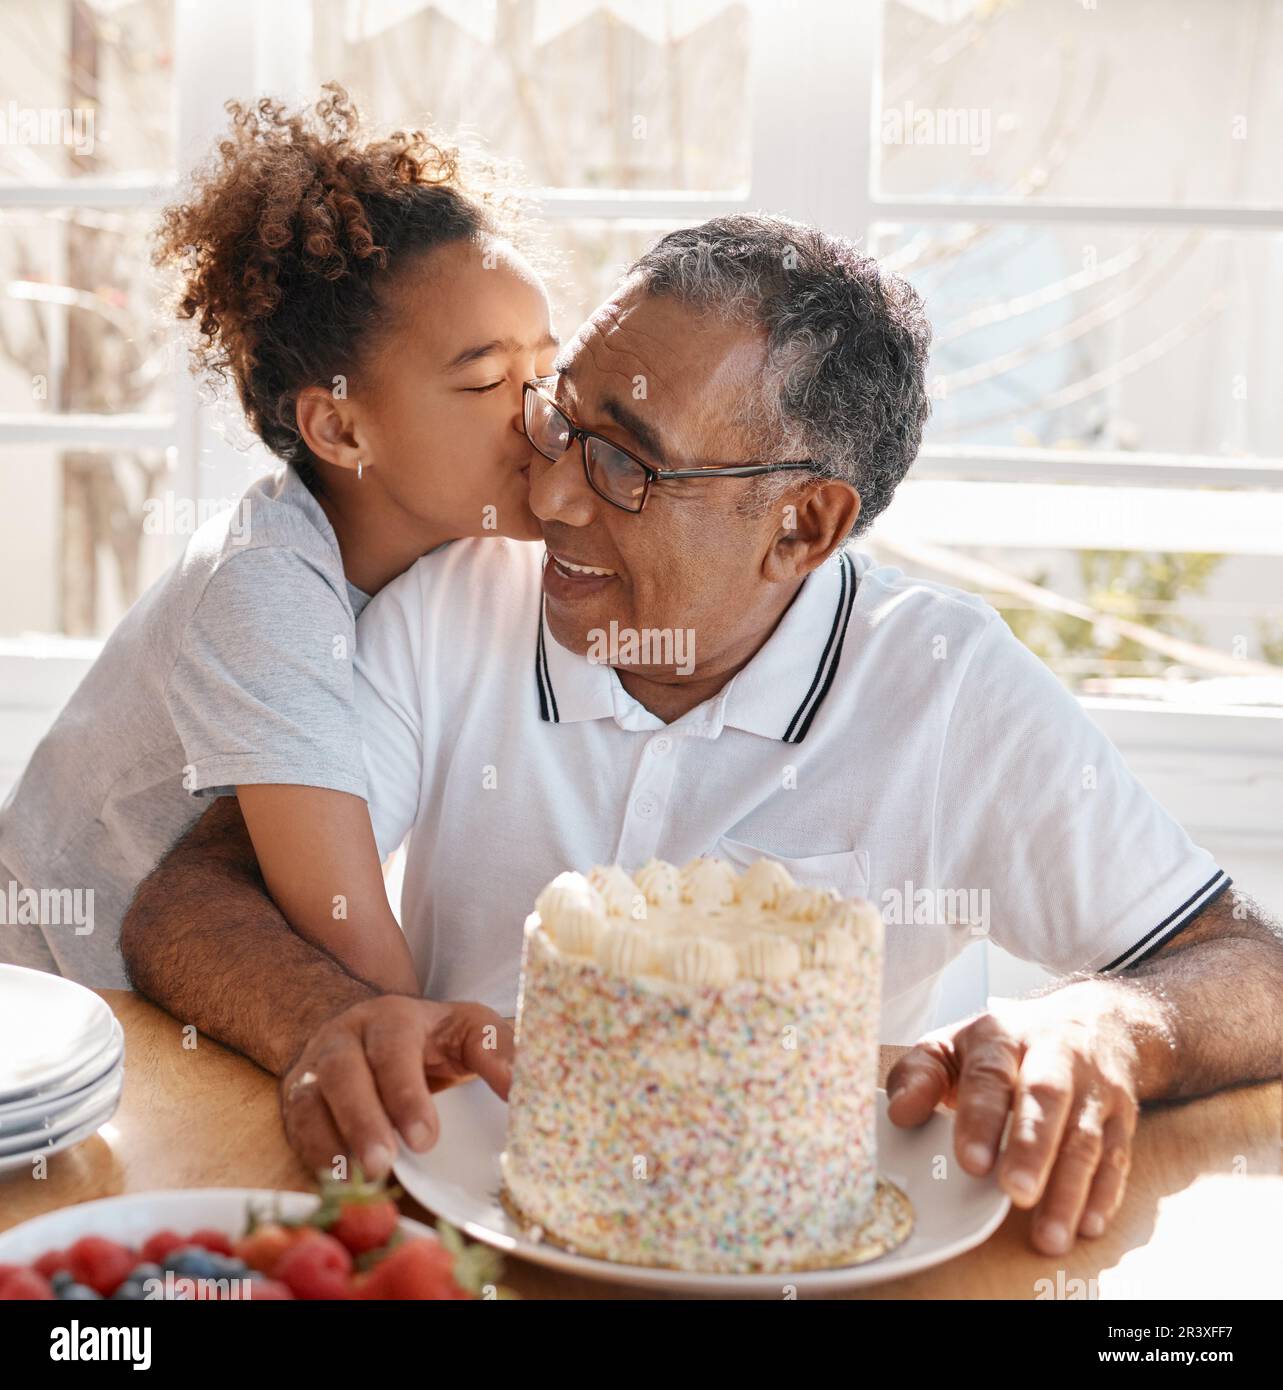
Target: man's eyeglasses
613 473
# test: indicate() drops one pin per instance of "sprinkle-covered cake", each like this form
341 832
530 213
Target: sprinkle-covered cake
695 1073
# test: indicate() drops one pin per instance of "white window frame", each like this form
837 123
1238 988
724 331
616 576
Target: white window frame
234 47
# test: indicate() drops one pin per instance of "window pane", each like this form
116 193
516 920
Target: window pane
80 320
591 257
1152 101
650 96
78 540
1092 615
1084 336
87 88
1060 515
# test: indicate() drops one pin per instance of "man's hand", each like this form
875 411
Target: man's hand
362 1076
1066 1068
1072 1066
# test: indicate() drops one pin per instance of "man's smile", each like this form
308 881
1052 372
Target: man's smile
573 568
565 579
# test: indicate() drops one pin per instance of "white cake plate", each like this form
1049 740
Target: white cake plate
459 1179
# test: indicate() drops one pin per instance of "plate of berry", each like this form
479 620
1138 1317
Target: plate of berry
256 1244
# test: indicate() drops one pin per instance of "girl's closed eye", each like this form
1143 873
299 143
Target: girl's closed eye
481 390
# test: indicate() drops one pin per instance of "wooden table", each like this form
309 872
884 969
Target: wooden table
1203 1216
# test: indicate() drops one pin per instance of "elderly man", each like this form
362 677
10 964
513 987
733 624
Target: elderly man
697 665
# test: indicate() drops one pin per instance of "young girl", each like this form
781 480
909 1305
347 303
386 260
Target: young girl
368 299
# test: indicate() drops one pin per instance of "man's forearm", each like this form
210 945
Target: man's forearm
1207 1010
206 942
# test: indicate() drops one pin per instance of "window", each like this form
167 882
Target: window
614 96
1089 197
1091 200
87 385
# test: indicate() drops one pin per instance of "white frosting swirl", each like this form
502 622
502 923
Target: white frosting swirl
618 892
830 948
661 882
570 910
578 930
808 904
625 949
708 884
768 956
764 883
699 960
860 918
566 891
703 925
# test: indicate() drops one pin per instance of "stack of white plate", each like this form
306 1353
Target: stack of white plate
62 1064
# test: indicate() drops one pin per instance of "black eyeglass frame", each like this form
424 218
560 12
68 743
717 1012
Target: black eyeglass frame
652 474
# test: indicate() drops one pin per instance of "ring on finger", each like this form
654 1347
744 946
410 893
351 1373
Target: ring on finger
309 1078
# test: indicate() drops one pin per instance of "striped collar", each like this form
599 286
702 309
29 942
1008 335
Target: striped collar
777 695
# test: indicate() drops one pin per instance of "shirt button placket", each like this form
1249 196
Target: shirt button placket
648 797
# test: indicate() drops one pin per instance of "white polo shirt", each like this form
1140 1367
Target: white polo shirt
891 739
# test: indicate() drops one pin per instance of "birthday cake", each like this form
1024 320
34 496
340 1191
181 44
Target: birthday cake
695 1072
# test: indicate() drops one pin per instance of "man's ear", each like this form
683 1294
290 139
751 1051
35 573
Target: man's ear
327 427
812 523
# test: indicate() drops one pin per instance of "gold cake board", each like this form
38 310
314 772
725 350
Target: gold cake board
889 1224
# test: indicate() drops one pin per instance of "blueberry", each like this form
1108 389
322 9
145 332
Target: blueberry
192 1262
78 1293
146 1271
131 1291
59 1281
228 1266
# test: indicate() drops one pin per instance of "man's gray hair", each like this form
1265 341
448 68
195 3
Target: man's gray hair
844 382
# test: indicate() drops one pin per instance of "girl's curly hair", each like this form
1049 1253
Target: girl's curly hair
290 234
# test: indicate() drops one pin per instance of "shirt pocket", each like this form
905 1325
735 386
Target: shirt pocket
846 870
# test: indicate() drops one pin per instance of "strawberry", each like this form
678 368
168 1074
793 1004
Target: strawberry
100 1263
49 1263
163 1243
24 1284
365 1225
263 1247
360 1213
419 1268
315 1266
209 1239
